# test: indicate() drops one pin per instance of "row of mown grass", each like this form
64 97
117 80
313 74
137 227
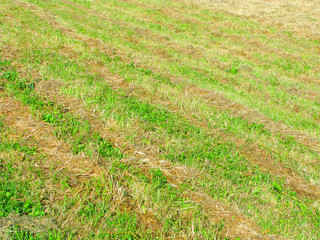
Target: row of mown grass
197 145
111 206
230 166
299 158
253 91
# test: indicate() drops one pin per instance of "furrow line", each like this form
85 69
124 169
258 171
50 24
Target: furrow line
218 101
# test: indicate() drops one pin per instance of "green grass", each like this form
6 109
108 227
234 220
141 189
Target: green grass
78 135
201 75
183 129
229 171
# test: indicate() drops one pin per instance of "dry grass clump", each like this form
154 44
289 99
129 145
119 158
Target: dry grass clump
31 224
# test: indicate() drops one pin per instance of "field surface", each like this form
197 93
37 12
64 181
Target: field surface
159 119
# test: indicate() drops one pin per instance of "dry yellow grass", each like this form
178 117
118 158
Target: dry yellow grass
297 16
183 154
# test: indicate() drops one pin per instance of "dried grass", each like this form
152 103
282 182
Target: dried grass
220 102
57 152
215 99
146 159
236 224
17 116
34 225
300 17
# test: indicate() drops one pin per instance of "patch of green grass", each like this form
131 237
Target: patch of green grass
231 91
25 197
203 78
190 145
21 189
232 70
67 125
138 76
79 135
17 233
12 191
16 195
227 175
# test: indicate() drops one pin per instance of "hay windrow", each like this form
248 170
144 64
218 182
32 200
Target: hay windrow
217 100
19 118
172 150
146 159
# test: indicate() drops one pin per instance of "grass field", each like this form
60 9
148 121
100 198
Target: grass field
159 119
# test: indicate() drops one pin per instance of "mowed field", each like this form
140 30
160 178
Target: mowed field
159 119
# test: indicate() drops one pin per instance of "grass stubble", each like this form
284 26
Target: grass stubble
172 163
